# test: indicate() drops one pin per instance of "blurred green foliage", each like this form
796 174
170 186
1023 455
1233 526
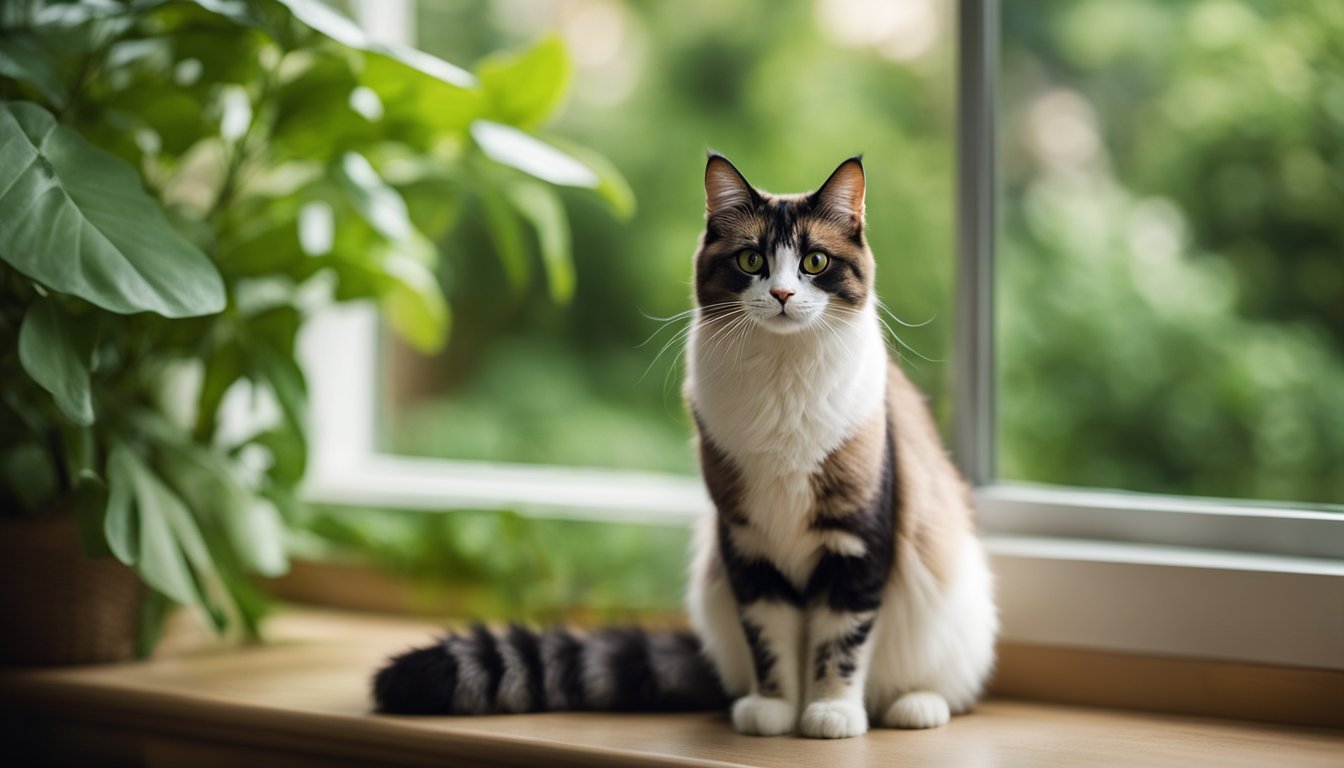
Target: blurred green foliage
1172 270
503 566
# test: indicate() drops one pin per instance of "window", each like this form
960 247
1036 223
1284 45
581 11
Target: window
1095 512
577 408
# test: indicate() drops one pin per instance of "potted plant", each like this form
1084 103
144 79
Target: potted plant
183 183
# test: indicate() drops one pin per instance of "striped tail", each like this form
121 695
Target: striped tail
515 670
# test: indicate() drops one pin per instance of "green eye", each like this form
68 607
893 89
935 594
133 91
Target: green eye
816 262
750 262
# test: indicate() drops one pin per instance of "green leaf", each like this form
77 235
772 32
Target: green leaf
611 185
506 233
407 80
258 536
379 204
173 558
542 208
223 367
210 481
289 453
509 146
78 221
285 378
414 303
524 90
314 118
166 533
122 526
55 351
23 57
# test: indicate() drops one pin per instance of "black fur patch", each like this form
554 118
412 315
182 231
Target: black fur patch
636 685
563 653
418 682
694 683
824 653
854 584
843 650
762 658
525 642
486 653
753 578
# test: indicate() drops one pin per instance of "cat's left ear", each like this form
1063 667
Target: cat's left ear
842 194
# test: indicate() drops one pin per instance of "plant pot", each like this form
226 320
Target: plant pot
58 606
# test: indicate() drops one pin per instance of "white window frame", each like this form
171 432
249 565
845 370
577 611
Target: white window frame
1133 573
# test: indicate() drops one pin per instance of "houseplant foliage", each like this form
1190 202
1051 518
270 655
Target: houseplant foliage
182 184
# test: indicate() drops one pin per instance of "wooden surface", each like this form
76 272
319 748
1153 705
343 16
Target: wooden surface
1289 695
303 700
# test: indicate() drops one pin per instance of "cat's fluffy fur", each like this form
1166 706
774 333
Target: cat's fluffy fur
839 579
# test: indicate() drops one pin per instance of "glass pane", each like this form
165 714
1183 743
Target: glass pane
1171 252
787 90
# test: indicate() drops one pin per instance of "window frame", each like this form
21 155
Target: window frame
1082 568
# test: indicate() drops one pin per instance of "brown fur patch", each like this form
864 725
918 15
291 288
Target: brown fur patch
935 511
722 479
848 479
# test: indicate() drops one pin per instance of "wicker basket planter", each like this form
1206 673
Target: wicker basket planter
58 606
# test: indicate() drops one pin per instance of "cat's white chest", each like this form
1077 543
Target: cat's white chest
778 406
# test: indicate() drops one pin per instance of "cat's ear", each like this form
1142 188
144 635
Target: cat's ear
725 187
842 194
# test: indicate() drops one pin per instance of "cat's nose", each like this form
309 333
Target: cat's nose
781 295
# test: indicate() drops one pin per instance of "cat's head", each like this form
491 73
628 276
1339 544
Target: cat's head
785 261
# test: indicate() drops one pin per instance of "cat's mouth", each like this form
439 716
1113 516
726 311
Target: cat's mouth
785 322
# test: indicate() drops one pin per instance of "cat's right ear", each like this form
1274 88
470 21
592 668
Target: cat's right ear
725 187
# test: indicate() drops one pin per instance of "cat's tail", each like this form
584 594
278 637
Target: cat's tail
484 671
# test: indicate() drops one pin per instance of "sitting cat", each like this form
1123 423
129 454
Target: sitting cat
840 577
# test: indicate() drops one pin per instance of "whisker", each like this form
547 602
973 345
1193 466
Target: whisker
883 306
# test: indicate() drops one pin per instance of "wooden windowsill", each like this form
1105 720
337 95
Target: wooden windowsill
302 699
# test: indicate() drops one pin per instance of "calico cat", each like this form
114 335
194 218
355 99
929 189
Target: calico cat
840 577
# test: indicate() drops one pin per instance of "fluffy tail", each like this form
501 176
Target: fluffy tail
483 672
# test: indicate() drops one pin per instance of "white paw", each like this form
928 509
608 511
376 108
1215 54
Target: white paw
833 720
917 710
761 716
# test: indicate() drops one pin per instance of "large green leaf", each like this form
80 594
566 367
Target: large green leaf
23 57
509 146
55 350
524 90
78 221
540 206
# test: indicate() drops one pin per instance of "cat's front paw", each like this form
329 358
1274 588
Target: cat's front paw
833 719
921 709
757 715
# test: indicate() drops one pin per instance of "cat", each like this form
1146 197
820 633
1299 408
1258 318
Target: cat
839 578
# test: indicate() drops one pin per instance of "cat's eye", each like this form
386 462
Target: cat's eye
750 262
816 262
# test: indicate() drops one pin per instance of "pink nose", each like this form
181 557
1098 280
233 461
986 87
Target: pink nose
781 294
